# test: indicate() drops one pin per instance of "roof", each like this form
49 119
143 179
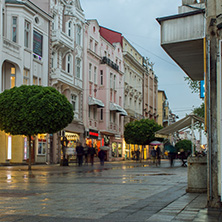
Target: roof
179 125
181 15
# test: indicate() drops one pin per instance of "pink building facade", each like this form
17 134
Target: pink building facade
103 91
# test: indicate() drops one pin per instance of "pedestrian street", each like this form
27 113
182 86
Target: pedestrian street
117 191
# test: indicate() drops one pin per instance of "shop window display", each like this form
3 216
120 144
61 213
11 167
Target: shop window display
73 139
41 144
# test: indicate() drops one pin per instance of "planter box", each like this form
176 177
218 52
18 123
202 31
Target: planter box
197 174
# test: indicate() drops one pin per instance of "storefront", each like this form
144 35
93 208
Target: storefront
130 151
92 139
73 139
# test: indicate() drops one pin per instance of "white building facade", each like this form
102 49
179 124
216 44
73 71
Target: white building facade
24 58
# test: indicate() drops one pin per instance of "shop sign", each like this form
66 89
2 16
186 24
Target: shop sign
118 137
93 134
70 151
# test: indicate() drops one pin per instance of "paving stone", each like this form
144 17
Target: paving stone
120 191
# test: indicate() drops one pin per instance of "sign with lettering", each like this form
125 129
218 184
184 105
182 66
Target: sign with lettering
37 43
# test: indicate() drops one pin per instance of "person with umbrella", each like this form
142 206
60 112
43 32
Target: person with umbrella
172 154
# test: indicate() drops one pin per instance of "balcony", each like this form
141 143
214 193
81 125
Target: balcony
62 40
11 47
182 37
62 76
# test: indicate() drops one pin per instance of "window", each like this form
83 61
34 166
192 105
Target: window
69 28
95 75
101 114
78 35
14 29
114 82
96 44
35 80
78 68
111 77
90 44
95 113
89 111
90 72
101 77
110 116
68 64
41 144
114 117
27 34
25 77
12 78
74 102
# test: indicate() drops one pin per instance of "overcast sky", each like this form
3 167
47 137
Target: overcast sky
136 20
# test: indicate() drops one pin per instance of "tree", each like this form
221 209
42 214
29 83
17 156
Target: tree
186 145
141 132
30 110
193 85
199 111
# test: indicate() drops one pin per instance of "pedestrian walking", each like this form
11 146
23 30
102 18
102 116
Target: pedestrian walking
137 155
80 153
153 155
86 152
172 156
92 153
158 155
101 156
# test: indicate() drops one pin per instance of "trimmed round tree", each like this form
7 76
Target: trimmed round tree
31 110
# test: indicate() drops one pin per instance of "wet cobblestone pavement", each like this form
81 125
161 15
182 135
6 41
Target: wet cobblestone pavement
118 191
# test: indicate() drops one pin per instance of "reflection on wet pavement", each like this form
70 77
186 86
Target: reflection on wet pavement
82 192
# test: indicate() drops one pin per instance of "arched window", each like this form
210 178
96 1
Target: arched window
69 63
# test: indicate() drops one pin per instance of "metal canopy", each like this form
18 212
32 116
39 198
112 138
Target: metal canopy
179 125
115 107
118 108
95 102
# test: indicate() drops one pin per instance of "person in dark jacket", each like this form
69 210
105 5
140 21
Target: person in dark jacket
158 155
92 153
80 153
101 156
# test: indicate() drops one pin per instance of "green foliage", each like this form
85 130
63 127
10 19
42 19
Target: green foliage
199 111
141 132
29 110
193 85
186 145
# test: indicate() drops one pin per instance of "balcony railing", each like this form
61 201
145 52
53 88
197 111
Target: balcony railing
59 37
11 47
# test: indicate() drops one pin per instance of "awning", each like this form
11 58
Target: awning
124 113
115 107
179 125
118 108
95 102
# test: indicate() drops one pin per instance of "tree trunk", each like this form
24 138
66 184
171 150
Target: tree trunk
30 153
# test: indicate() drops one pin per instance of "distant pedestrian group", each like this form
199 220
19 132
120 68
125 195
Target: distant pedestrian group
156 156
88 152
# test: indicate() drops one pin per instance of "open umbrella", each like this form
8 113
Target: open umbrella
104 148
155 143
170 149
